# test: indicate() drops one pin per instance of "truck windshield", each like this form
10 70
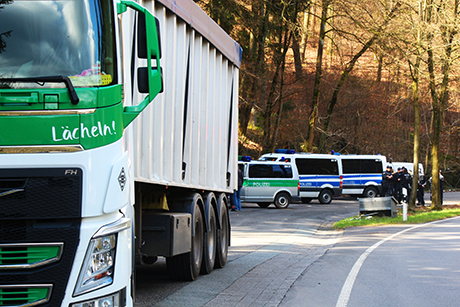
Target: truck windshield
72 38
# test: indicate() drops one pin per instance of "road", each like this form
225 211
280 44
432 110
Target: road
385 266
285 257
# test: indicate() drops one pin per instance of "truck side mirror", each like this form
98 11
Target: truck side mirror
142 38
148 39
149 78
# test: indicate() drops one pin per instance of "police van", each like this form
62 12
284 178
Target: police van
320 175
362 174
409 166
269 182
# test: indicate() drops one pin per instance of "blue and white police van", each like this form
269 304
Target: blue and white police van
362 174
320 175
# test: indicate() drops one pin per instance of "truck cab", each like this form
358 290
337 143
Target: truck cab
84 182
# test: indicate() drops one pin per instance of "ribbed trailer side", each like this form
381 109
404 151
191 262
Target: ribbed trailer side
187 137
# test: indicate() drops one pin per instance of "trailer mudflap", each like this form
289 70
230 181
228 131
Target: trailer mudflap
166 234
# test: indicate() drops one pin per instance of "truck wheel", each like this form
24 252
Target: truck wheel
223 235
209 244
370 192
325 197
263 205
187 266
282 200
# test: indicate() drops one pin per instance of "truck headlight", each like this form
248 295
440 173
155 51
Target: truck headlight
97 269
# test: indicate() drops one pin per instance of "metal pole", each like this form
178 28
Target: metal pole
404 212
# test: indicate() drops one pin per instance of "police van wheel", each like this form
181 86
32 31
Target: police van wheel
325 197
282 201
263 205
370 192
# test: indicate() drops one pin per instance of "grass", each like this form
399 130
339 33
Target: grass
419 216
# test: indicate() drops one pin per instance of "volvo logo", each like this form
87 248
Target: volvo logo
122 179
71 172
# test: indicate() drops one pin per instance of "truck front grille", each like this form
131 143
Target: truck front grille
40 193
40 220
25 256
24 295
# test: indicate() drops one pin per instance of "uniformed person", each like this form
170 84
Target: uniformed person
421 190
387 178
397 177
406 183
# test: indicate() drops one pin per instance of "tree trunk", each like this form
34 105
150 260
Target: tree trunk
415 103
318 75
297 56
287 38
380 67
306 21
439 101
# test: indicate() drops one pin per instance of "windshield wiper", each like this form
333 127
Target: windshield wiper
55 79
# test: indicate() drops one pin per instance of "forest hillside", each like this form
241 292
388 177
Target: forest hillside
355 77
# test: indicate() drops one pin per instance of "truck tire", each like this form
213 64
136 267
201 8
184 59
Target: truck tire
209 243
223 233
370 192
325 197
263 205
187 266
282 200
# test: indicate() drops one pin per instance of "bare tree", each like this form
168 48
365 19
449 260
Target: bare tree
312 122
442 20
377 32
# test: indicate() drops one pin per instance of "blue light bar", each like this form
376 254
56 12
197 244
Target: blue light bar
246 159
285 151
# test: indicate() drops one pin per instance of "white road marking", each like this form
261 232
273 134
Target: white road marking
349 282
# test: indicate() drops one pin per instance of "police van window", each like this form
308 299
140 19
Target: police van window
241 167
270 171
282 171
351 166
317 166
371 166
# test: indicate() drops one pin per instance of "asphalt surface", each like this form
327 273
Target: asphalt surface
292 257
410 265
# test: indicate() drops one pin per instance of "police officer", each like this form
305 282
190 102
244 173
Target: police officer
405 182
421 190
387 178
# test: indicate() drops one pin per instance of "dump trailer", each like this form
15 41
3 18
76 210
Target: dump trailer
118 145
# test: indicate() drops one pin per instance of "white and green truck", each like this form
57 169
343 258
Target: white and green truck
116 147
